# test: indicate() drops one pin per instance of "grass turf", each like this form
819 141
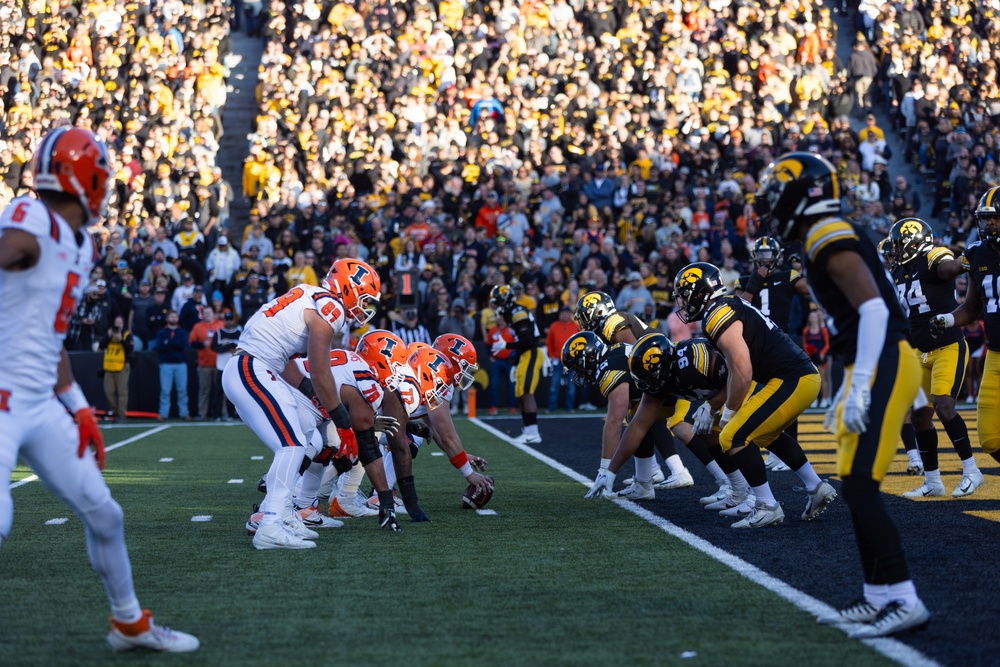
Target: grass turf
550 579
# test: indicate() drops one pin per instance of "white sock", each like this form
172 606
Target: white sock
127 611
390 470
675 464
281 478
905 592
764 495
969 466
914 456
809 477
350 481
644 469
716 471
932 476
738 482
328 482
877 595
309 485
531 430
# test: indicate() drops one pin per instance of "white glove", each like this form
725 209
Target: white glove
941 323
727 416
546 364
498 346
386 424
830 419
602 485
856 406
703 419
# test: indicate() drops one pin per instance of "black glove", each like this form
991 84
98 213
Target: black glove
408 492
418 428
387 519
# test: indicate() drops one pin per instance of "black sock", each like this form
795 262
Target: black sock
927 444
699 448
789 451
724 460
529 418
663 440
909 437
959 435
385 500
751 464
882 555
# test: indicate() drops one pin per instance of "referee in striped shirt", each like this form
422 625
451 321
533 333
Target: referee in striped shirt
411 331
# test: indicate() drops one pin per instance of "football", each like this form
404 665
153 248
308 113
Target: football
471 500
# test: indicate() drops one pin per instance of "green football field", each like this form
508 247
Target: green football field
547 580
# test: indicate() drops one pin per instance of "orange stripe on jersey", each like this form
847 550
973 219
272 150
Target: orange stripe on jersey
263 398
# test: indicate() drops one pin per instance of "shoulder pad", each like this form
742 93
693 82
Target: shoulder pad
824 233
30 215
937 255
612 324
519 315
719 316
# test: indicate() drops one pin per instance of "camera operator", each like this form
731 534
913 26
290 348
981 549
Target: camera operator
117 346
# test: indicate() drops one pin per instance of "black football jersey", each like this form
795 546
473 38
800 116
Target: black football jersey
772 352
983 265
774 298
522 323
835 235
700 370
922 294
617 321
613 372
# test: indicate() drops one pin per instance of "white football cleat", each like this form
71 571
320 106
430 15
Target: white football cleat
637 491
293 523
725 490
818 501
762 515
679 480
657 477
969 484
528 439
312 518
893 618
861 611
146 634
278 536
774 464
926 490
400 508
351 507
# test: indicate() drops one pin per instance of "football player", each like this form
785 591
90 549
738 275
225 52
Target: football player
303 320
982 260
925 277
528 343
608 367
800 195
770 288
45 259
596 312
771 381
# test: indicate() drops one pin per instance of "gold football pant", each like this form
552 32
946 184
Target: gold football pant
769 410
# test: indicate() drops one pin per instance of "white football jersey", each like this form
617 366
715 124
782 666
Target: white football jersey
277 332
36 304
350 370
409 392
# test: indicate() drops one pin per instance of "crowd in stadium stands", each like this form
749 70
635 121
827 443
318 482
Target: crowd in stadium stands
564 145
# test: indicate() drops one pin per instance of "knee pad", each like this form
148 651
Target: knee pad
105 520
368 450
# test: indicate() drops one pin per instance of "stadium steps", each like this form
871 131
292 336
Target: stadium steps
237 121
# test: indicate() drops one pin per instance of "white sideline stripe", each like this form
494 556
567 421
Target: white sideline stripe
890 648
111 448
111 427
56 522
235 481
201 518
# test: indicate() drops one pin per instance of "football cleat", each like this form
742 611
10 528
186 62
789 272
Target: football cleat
968 485
657 477
725 490
762 515
399 507
861 611
351 507
637 491
528 439
146 634
741 509
818 500
926 490
312 518
278 536
254 521
730 501
679 480
893 618
774 464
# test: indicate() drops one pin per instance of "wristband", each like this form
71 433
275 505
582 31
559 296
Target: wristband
340 417
605 463
72 397
727 414
461 461
306 387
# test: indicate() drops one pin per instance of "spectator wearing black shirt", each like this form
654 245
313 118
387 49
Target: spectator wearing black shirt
251 297
156 314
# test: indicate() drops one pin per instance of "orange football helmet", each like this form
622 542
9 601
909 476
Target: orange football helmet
415 345
386 354
357 285
435 375
462 355
73 160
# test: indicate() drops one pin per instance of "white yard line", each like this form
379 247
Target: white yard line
109 448
890 648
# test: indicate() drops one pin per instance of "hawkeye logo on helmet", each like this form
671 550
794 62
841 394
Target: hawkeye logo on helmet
691 276
651 358
591 299
577 347
787 170
911 227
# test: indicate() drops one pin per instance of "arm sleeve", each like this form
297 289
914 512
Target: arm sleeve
873 317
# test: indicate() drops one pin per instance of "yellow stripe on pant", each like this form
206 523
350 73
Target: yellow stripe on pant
769 410
893 389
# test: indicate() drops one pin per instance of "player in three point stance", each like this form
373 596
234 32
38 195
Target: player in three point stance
530 359
800 195
925 281
45 261
771 381
982 261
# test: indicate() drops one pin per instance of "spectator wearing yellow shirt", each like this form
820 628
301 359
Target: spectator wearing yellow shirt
300 272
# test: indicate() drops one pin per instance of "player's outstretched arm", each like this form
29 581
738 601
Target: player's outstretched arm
617 411
966 313
447 438
19 250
